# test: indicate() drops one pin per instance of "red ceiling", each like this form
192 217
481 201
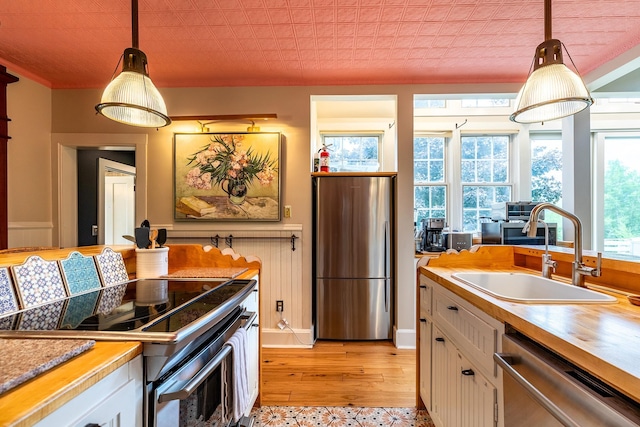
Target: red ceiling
197 43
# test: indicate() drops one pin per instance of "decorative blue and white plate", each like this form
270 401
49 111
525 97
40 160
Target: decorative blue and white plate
79 273
8 300
111 267
38 281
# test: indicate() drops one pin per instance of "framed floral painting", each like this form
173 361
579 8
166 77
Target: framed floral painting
227 176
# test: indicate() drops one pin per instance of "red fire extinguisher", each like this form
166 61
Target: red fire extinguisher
324 159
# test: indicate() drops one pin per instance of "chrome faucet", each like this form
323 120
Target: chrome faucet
578 270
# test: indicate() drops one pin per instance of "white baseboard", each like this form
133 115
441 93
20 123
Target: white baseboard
404 338
285 338
277 338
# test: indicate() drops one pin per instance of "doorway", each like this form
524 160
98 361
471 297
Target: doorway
116 202
65 172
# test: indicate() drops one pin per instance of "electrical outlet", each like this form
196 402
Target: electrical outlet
287 211
279 306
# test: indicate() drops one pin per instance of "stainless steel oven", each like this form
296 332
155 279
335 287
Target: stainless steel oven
199 391
542 389
184 325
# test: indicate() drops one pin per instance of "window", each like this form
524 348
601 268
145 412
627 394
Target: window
485 102
546 175
621 197
546 170
484 176
429 103
354 153
430 193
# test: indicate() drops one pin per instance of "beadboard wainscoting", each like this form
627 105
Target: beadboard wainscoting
281 277
30 234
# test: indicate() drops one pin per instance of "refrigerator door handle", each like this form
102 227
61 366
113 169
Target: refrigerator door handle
387 266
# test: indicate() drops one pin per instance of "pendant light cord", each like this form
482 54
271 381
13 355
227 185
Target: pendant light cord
134 24
547 20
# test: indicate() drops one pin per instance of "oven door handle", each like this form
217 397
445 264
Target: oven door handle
185 391
503 360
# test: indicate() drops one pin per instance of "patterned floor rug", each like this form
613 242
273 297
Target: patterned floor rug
320 416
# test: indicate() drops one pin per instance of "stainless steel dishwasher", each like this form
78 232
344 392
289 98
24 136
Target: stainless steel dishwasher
542 389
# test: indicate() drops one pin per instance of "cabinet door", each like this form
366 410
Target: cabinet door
253 363
477 397
115 401
425 361
118 410
445 386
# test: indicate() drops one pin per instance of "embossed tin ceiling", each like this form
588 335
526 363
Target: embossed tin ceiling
198 43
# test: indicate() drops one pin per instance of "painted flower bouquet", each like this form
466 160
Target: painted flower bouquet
223 162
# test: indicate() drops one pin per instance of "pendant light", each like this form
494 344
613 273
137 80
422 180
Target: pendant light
552 90
132 98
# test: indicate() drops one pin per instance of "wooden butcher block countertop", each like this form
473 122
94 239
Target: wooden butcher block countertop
603 339
33 400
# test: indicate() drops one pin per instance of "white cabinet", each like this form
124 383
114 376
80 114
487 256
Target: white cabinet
459 382
114 401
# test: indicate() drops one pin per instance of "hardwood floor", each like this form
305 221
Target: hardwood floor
340 373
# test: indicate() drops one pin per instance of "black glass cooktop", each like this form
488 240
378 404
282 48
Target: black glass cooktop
150 305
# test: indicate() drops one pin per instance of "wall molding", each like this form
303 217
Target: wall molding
277 338
404 338
30 234
35 225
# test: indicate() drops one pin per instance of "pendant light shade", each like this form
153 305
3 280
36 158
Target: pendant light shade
552 90
132 98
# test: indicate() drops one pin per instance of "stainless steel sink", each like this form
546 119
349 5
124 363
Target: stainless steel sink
528 289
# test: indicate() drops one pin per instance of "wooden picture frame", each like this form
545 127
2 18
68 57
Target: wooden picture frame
230 176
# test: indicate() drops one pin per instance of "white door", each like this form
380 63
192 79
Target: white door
119 209
116 202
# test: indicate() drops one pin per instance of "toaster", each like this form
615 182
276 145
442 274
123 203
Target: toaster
457 240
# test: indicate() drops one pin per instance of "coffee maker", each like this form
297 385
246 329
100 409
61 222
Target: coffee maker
432 235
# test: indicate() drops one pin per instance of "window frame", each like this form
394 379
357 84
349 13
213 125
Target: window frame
460 184
355 134
598 188
432 184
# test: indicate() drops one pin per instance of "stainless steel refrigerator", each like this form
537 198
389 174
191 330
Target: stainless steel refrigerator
354 251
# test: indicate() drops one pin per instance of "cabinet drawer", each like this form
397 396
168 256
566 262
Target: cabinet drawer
473 335
426 296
